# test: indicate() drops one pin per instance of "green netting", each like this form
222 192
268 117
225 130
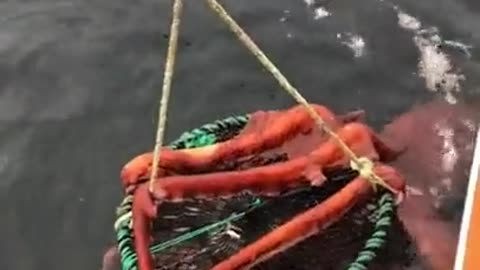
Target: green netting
210 134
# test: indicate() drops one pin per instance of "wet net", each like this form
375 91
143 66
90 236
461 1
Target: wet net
197 234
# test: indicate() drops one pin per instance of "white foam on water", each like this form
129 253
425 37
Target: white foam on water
408 22
355 42
470 124
309 2
460 46
320 13
434 65
449 151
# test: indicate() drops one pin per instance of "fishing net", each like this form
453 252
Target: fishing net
197 234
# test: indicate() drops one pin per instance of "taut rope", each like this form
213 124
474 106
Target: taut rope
167 83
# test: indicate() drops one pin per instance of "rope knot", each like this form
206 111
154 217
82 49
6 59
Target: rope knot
364 166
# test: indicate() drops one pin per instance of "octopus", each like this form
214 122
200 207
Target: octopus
422 156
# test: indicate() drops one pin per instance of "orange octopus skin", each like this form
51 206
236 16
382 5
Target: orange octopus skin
269 180
144 210
282 125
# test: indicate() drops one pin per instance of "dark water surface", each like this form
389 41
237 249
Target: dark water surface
80 82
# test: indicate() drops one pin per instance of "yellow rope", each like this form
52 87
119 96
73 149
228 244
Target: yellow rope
167 82
362 164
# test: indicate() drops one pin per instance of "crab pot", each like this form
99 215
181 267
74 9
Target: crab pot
197 234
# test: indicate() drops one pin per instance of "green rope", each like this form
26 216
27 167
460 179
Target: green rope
210 134
383 216
205 135
187 236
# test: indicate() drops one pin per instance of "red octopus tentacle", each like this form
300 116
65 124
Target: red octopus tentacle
273 131
357 136
353 116
266 180
144 210
364 142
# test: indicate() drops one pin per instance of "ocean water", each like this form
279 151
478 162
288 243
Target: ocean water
80 83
